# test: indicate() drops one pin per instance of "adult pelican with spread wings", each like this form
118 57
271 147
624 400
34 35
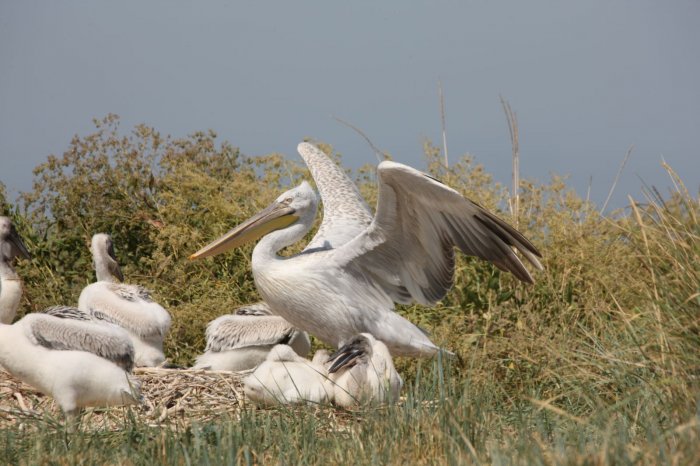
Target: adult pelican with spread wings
356 267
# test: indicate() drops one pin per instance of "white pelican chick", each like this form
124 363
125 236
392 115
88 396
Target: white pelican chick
405 255
363 372
77 363
242 340
11 247
287 378
128 306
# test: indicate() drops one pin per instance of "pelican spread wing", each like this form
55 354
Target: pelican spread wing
345 285
110 342
230 332
419 220
345 212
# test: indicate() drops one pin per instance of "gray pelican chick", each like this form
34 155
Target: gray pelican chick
406 253
287 378
128 306
11 248
77 363
363 372
242 340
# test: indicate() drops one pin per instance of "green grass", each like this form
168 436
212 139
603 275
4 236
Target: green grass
444 419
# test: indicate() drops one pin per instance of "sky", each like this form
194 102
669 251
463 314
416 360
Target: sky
586 79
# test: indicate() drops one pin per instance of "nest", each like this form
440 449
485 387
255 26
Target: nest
171 397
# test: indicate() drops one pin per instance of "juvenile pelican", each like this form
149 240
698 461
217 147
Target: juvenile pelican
405 255
128 306
77 363
11 247
242 340
363 372
287 378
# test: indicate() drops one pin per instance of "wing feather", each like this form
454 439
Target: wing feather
345 212
419 221
131 293
241 331
256 309
68 312
109 342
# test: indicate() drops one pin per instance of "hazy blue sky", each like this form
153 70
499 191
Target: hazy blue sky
587 80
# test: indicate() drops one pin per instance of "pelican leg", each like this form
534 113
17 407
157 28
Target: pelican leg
72 420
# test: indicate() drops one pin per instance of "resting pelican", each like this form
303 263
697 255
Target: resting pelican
242 340
128 306
363 372
287 378
405 255
77 363
11 247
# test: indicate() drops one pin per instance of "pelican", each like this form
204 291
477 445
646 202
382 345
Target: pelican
128 306
11 247
335 230
405 254
242 340
287 378
77 363
363 372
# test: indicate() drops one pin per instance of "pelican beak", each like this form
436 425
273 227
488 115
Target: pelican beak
17 242
275 217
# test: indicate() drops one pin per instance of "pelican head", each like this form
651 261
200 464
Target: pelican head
294 207
11 244
11 247
104 261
